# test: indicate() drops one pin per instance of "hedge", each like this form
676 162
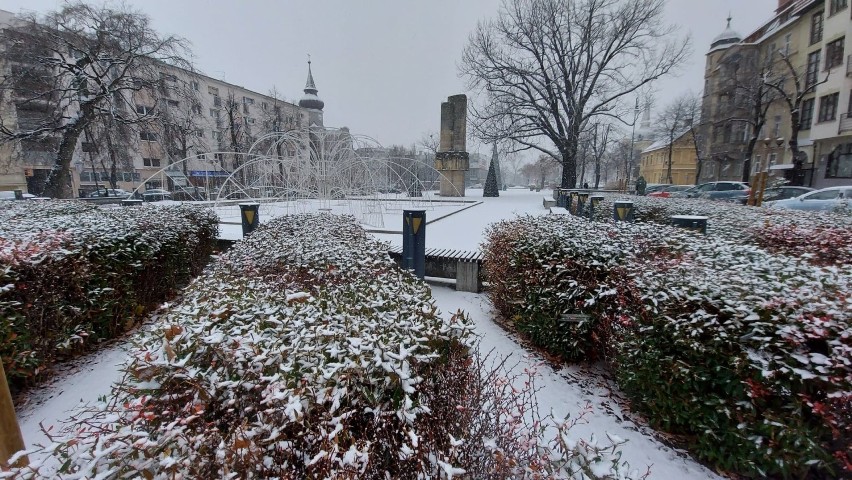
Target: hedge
304 352
742 352
819 237
73 274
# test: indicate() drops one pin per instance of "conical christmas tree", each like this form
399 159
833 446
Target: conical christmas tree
491 189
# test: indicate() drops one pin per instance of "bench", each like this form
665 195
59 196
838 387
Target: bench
559 211
463 265
549 202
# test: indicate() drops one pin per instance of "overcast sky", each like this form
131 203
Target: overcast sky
383 67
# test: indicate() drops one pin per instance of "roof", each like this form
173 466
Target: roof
664 142
728 37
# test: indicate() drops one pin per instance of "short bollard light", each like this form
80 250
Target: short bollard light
250 217
561 200
582 199
132 202
19 194
572 202
594 200
696 223
414 241
622 211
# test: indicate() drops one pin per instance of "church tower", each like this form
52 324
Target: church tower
311 102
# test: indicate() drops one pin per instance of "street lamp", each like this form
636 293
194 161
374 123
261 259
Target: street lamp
632 139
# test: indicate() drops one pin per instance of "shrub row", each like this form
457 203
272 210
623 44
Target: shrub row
72 274
304 352
742 352
810 233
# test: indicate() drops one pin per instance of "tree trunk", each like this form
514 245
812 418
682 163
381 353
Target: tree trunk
798 165
749 153
597 174
669 163
57 185
569 165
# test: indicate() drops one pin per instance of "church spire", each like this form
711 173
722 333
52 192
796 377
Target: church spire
310 99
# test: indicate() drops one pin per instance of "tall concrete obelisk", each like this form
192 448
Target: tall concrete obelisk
452 159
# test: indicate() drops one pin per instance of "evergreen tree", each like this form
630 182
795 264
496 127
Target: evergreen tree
491 189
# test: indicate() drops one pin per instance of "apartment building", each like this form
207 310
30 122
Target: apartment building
181 114
806 43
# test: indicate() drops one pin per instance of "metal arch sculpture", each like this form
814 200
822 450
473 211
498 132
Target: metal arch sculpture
321 167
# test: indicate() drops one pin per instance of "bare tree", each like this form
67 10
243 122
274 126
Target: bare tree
599 144
791 85
179 118
544 68
674 121
73 66
544 167
430 140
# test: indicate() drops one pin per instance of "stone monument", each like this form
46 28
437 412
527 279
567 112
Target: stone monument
452 159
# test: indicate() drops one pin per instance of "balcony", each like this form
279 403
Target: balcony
845 123
849 66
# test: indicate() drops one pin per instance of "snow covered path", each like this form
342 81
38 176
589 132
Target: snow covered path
569 389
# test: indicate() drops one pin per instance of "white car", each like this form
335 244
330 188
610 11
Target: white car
110 192
8 195
830 198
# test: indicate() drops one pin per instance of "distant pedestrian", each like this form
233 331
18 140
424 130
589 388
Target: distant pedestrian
586 185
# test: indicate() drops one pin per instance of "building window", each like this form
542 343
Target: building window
248 101
246 108
755 166
834 53
840 162
143 110
148 136
173 103
777 130
201 156
264 106
816 28
151 162
199 133
806 114
194 85
828 107
196 109
787 40
773 157
213 90
214 113
219 156
168 77
813 69
88 147
217 101
835 6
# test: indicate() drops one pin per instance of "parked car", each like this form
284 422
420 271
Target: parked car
109 192
667 191
156 195
655 187
781 193
826 199
10 195
715 190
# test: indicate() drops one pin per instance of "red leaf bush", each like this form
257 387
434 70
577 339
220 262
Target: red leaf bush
72 274
742 352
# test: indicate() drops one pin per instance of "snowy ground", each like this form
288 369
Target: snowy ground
563 391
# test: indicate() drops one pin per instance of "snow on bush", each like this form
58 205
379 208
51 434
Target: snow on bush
743 352
72 273
819 237
304 352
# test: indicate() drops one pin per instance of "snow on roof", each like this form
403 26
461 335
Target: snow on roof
663 143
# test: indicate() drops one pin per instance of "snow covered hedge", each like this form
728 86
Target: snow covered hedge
72 274
304 352
819 237
744 353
